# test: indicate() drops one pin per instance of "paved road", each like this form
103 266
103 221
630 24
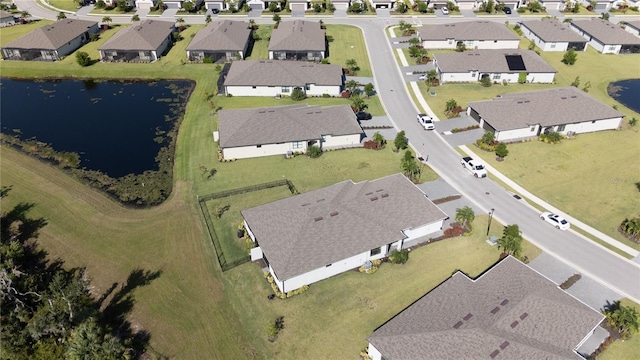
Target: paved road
607 268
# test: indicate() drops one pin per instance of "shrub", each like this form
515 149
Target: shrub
633 121
570 281
521 10
297 94
485 81
399 257
502 151
453 231
370 144
83 59
401 141
570 57
314 151
522 78
551 137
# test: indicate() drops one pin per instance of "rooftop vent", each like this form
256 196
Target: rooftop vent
320 200
334 213
373 198
458 324
504 345
306 204
504 302
514 324
495 310
318 218
385 195
369 193
379 190
494 353
523 316
468 316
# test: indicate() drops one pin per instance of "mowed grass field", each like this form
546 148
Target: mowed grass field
188 309
591 177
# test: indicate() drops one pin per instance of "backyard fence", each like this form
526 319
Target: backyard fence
202 202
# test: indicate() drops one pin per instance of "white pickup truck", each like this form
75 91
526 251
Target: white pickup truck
476 168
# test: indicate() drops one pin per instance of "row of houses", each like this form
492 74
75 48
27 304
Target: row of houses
548 34
147 41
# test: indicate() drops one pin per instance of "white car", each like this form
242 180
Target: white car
423 77
426 121
445 10
556 220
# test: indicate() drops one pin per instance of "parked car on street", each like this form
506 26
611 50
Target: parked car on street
556 220
362 115
426 121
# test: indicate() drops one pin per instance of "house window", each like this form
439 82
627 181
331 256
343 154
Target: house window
450 41
561 127
469 42
297 145
286 89
553 46
533 128
612 48
375 251
496 76
307 87
258 146
473 74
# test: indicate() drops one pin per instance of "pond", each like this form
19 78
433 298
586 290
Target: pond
626 92
116 127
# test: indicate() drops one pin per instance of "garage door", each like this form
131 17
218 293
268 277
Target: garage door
298 7
341 6
257 7
601 6
172 5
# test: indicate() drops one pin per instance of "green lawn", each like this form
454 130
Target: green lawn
69 5
348 44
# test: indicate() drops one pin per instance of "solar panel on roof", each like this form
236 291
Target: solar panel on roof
515 62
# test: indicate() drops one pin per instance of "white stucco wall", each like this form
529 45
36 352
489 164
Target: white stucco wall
508 135
374 354
244 152
340 140
539 78
582 127
509 77
424 230
256 253
471 44
314 90
631 29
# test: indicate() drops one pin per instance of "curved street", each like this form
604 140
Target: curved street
590 259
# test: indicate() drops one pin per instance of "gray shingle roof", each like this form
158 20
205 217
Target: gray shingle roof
552 30
282 73
297 35
148 35
492 61
54 36
606 32
271 125
634 24
295 242
510 309
472 30
5 14
566 105
223 35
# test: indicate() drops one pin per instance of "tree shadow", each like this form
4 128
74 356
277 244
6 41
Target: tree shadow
121 304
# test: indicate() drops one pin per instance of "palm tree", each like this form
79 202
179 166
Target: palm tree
23 16
352 64
414 41
631 226
180 22
625 319
61 16
465 215
511 241
351 85
276 19
106 20
207 20
252 24
135 18
432 75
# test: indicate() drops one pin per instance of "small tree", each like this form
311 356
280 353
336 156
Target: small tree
352 86
423 7
624 319
273 7
399 257
401 141
180 21
633 121
276 17
61 16
485 81
605 16
207 19
432 75
450 105
358 104
535 7
368 89
402 8
522 78
297 94
576 82
465 215
314 151
106 21
352 65
410 167
570 57
502 151
460 46
488 138
187 6
414 41
135 18
379 139
83 59
511 241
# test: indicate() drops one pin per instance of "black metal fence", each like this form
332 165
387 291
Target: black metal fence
224 264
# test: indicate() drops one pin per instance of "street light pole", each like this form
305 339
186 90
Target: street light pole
490 217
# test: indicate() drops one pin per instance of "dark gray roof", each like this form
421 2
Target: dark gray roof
634 24
310 230
511 311
566 105
493 61
472 30
282 73
297 35
552 30
223 35
606 32
271 125
148 35
5 14
54 36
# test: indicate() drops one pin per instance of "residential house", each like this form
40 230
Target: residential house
467 4
606 37
298 40
383 4
280 77
259 5
341 4
6 19
553 4
509 312
565 110
497 65
472 34
512 4
552 35
224 4
143 42
316 235
220 41
51 42
256 132
633 27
